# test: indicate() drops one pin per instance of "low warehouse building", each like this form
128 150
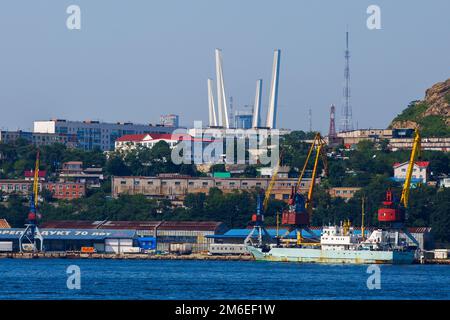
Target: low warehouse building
107 241
165 232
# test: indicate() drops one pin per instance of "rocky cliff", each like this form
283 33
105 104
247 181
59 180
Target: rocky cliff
431 115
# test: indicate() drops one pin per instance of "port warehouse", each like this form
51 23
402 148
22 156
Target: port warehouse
119 236
237 236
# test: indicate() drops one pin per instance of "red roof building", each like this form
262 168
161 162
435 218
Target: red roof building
420 171
29 175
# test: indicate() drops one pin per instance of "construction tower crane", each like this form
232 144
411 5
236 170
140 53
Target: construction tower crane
31 239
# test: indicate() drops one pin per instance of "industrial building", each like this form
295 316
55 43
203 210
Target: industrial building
432 144
120 236
104 241
176 187
90 135
353 137
164 232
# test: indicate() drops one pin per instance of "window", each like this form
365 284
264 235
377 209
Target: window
123 182
150 182
204 183
177 183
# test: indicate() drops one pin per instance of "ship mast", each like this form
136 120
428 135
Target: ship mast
362 218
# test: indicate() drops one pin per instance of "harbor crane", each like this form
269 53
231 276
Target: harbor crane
258 217
31 239
298 215
394 213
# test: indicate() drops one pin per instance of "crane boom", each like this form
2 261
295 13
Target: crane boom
300 207
309 200
36 181
31 239
270 186
300 177
415 152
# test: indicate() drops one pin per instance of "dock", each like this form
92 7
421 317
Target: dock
123 256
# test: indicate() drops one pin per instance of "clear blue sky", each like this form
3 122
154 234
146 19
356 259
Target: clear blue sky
134 60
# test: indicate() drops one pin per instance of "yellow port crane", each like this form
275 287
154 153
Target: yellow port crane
270 186
31 239
415 153
318 145
36 181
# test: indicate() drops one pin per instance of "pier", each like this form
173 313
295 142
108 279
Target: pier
124 256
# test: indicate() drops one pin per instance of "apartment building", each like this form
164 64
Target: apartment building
36 138
95 134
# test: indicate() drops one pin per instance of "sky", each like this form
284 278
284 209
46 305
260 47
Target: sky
135 60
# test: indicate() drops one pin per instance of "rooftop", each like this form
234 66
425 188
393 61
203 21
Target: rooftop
420 164
30 173
4 224
159 136
134 225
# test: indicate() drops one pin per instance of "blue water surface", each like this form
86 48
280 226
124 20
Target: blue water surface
185 279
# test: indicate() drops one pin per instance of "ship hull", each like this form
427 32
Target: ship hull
306 255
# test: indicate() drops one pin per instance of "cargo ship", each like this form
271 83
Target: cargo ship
337 246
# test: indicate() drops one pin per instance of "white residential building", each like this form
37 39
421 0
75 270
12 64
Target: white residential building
130 142
420 171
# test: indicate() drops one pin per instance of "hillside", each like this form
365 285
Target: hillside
431 115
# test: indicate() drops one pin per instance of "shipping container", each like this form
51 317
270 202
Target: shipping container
131 250
117 245
180 248
227 249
